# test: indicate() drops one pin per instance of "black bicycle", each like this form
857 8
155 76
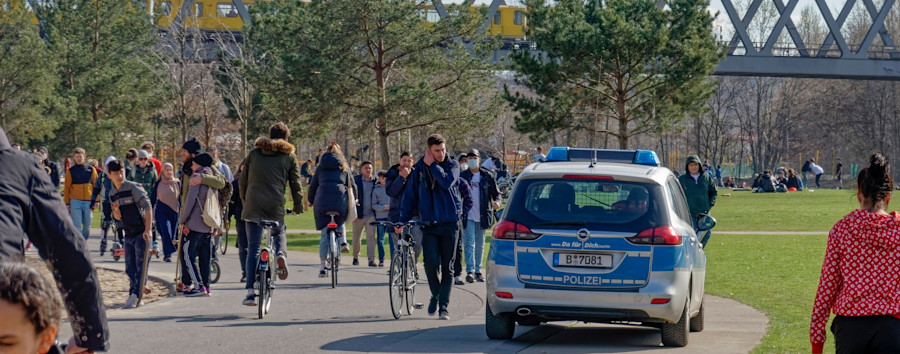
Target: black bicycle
265 270
333 259
403 276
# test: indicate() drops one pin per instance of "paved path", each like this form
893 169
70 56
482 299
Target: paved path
309 316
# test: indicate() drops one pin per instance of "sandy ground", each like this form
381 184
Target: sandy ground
113 284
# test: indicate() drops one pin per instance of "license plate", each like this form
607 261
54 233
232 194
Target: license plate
582 260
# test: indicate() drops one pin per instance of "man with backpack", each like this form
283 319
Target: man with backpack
268 169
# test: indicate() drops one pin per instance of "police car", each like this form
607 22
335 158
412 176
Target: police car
597 236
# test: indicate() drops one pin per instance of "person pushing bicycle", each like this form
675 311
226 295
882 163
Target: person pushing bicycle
431 189
267 170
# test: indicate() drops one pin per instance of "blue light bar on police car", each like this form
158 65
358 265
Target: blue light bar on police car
639 157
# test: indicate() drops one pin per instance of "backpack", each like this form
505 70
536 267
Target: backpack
211 210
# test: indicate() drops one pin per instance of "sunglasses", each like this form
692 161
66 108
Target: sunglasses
142 159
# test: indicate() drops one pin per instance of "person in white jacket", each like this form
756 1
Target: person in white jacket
816 170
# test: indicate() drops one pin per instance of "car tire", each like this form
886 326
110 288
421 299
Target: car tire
697 321
676 334
498 326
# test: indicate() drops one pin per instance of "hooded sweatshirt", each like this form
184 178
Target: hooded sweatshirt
860 276
192 213
701 192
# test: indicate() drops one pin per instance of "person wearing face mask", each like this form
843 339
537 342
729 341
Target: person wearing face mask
485 200
699 189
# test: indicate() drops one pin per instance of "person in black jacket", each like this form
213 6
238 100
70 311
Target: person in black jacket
485 200
235 208
394 186
32 206
328 192
50 165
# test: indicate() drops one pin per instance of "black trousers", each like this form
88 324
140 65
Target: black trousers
439 246
866 334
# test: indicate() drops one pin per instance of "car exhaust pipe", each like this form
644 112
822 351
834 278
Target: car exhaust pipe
523 311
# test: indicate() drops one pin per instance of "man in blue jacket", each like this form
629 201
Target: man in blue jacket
431 189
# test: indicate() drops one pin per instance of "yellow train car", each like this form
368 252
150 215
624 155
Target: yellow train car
207 15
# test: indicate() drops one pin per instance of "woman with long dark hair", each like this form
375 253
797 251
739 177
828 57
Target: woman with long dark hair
860 280
328 193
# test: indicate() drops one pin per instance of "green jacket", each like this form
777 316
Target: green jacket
146 177
268 170
214 181
701 194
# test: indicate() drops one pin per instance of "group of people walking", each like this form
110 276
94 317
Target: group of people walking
452 199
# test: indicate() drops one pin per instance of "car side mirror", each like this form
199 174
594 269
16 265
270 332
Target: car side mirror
706 222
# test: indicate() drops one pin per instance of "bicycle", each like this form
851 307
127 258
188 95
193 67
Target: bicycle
333 259
265 271
222 244
403 276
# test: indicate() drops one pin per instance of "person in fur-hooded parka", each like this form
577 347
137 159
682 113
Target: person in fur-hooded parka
268 169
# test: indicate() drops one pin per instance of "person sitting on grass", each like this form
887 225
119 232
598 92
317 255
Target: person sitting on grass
131 206
30 310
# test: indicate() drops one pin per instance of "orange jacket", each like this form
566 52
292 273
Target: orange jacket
79 183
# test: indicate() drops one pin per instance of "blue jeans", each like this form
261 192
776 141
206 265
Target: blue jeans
473 246
135 246
379 231
81 216
241 227
166 224
254 242
439 247
323 241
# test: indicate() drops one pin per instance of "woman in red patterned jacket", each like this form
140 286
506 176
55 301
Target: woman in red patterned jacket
860 279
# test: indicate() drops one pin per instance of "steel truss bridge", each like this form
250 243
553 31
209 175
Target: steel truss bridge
834 59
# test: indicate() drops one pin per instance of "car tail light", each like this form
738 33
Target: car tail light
659 301
663 235
508 230
264 255
504 295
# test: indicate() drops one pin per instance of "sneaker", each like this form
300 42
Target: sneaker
345 248
479 278
355 261
186 289
196 292
372 264
131 302
444 314
458 281
381 263
243 278
250 300
208 293
470 278
167 259
282 267
432 307
322 273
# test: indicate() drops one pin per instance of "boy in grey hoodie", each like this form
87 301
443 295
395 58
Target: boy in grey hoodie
381 204
196 233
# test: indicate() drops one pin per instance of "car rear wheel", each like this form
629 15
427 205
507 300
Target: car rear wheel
676 335
697 321
498 326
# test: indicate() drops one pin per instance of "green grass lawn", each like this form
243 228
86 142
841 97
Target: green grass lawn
776 274
793 211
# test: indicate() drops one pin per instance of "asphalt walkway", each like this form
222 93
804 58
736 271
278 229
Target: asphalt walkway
309 316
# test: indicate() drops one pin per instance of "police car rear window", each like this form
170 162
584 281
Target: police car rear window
609 205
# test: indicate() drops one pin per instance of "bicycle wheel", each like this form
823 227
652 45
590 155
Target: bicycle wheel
270 285
263 290
333 259
214 271
395 285
223 242
409 283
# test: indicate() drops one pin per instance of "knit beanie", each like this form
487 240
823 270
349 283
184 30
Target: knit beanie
204 159
192 146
